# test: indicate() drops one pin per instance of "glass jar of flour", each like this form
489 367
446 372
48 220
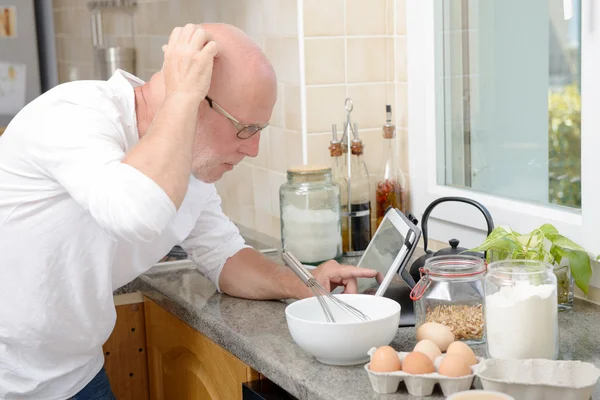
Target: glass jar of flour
310 214
521 316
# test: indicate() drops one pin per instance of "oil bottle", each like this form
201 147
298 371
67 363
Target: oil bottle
390 189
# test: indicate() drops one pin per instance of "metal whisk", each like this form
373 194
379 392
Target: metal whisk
320 292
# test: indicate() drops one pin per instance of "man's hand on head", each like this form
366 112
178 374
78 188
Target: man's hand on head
189 59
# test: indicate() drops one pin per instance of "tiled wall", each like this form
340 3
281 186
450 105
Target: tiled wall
352 48
356 49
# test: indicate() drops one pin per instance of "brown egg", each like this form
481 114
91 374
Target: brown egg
428 347
417 363
439 334
454 366
463 350
385 359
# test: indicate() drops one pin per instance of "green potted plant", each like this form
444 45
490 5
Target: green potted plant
571 262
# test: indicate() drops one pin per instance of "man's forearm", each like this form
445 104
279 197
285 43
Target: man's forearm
164 154
249 274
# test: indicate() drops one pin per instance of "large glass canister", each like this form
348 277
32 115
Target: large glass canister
521 316
450 292
310 214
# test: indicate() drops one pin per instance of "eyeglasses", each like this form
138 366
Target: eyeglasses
245 131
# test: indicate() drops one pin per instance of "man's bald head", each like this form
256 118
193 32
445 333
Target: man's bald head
241 73
243 83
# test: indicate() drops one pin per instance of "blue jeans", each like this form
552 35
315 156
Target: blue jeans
97 389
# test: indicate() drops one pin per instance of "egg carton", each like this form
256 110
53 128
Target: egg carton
537 379
419 385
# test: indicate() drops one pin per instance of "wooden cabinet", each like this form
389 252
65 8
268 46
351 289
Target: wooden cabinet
184 364
125 354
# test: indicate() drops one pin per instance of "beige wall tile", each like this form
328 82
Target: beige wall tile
389 16
401 59
263 220
402 134
293 145
285 149
324 61
68 3
401 110
262 194
369 104
275 228
318 149
290 67
278 115
373 142
157 18
277 150
274 53
262 159
281 17
276 179
390 54
365 17
367 59
324 106
401 17
242 191
222 186
72 72
291 96
246 216
323 21
156 56
77 50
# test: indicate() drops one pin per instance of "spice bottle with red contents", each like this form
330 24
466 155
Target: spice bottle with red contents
390 188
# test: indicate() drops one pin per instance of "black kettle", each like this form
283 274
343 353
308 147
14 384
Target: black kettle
415 269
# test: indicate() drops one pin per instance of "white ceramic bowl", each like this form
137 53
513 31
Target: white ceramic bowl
480 395
348 340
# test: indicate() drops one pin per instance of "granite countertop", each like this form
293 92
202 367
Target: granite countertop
256 332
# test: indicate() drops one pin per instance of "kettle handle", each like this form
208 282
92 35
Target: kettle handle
479 206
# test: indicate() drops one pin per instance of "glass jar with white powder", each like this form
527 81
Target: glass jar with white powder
310 214
521 319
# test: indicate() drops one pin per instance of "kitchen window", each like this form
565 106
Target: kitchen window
504 108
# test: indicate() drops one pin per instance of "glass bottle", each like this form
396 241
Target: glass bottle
359 221
339 174
310 214
390 190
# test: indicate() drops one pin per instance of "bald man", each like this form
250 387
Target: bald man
100 179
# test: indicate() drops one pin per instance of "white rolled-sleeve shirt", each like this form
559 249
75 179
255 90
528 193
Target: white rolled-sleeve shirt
76 224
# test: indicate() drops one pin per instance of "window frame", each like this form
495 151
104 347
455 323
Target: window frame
425 117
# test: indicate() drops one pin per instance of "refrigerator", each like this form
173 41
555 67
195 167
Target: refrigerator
28 64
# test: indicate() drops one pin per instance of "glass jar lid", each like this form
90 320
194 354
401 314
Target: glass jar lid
454 266
308 173
450 267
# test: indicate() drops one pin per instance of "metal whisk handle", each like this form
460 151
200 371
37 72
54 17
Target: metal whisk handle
296 266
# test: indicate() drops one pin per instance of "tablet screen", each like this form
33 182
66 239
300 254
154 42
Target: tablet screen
380 255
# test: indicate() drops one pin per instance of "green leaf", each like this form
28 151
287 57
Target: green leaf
548 230
499 239
565 243
580 267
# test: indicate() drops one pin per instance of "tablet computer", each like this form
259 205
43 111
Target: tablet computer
388 252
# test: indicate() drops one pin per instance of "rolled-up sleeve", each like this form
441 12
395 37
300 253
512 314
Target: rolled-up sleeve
84 156
213 240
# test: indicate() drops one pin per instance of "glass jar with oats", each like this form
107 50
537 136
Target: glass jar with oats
450 292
